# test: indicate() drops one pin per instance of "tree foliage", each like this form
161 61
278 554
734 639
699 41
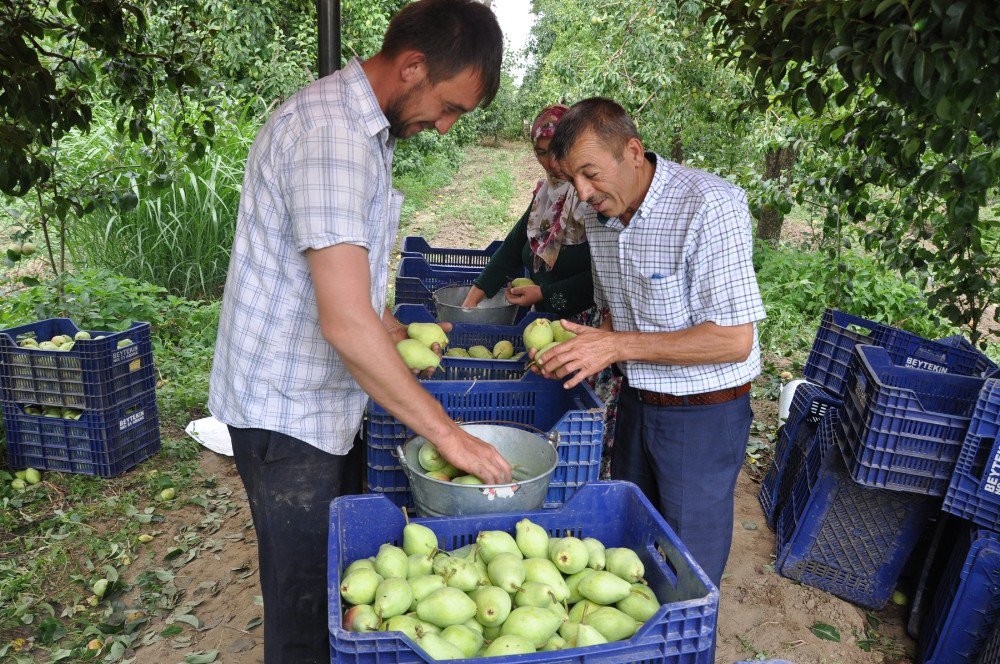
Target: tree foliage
904 98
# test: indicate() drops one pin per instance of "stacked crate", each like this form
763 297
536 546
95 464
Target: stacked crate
850 505
90 409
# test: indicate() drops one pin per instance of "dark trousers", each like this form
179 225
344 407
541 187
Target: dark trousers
686 460
290 484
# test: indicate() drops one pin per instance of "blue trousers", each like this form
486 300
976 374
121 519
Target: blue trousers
686 460
289 486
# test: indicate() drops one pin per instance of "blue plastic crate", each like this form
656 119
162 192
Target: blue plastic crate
967 602
102 442
974 490
577 414
682 631
990 653
95 374
851 541
902 428
416 280
809 404
415 245
983 365
839 332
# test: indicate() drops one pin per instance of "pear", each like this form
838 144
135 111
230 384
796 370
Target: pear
361 563
429 457
568 631
391 562
419 539
361 618
580 610
32 476
492 632
507 571
438 475
427 333
463 575
443 562
559 334
518 356
531 539
82 335
520 282
544 571
604 588
509 644
456 352
611 623
418 564
446 607
467 640
416 355
437 647
641 603
555 643
569 555
481 352
543 350
503 350
595 553
573 583
422 586
474 625
624 563
535 594
538 334
359 587
494 542
392 598
535 624
559 610
492 605
467 479
451 471
588 636
405 624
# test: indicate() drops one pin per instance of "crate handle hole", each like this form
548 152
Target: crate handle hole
982 456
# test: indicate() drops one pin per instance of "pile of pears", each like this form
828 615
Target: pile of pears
541 335
438 468
53 412
64 342
502 350
503 595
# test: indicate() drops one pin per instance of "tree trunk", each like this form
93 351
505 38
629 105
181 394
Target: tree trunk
677 151
771 220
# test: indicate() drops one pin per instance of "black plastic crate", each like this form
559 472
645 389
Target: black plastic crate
95 374
102 442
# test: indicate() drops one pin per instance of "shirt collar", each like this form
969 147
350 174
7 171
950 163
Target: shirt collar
371 113
660 167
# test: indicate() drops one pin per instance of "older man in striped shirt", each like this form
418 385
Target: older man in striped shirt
671 252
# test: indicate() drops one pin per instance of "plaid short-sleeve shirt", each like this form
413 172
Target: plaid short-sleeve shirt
319 174
684 259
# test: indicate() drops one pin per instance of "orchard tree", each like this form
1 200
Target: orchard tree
906 93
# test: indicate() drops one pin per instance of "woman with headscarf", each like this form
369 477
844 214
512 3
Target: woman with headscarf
549 240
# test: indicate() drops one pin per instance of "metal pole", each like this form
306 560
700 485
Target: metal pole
328 12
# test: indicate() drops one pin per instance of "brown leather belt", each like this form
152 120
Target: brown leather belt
703 399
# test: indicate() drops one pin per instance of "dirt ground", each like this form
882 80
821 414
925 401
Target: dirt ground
215 588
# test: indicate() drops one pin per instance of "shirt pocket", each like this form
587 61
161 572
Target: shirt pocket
660 301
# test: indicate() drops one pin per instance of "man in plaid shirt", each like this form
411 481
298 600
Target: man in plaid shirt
671 251
304 335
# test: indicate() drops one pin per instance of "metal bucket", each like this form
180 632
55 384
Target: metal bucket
530 452
495 310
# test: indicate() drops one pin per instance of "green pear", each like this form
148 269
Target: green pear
595 553
467 479
535 594
588 636
509 644
518 356
438 475
424 585
359 587
430 458
82 335
538 334
624 563
555 643
503 350
446 607
391 562
463 575
531 539
561 334
568 631
520 282
467 640
361 563
611 623
573 583
480 352
437 648
543 350
419 539
604 588
492 632
361 618
580 610
451 471
493 605
47 345
569 555
507 571
535 624
405 624
32 476
456 352
19 484
641 603
392 598
427 333
124 343
544 571
494 542
28 343
416 355
418 564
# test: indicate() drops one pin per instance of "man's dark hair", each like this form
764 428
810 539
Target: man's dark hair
454 35
609 122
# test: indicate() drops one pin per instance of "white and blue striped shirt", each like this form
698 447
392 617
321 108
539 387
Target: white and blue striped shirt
319 174
684 259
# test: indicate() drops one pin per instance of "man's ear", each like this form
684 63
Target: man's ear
411 66
635 151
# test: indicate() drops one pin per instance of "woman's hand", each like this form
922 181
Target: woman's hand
523 296
475 296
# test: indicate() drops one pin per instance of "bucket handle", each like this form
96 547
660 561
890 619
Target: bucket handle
552 436
401 457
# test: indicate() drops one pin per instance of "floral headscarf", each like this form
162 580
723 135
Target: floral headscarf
555 218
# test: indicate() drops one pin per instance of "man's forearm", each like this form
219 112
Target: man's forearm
706 343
